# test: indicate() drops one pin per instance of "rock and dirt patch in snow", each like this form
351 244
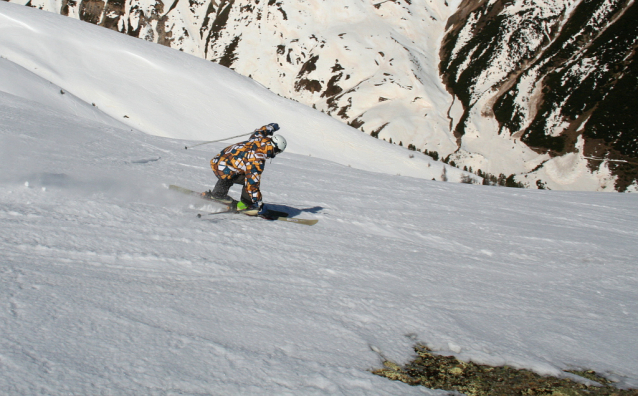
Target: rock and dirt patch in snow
449 373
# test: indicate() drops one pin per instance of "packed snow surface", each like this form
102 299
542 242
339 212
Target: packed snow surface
112 285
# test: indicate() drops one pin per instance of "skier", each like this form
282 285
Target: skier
243 163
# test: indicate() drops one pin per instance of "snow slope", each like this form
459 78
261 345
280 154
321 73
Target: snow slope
111 285
541 91
167 93
373 64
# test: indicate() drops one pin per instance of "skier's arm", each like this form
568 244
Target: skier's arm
253 177
266 130
252 182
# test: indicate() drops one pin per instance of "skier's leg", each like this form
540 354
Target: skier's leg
245 197
247 203
220 191
239 179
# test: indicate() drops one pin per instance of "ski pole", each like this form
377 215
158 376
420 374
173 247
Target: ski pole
200 215
219 140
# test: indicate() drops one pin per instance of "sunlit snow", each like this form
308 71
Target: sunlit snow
110 284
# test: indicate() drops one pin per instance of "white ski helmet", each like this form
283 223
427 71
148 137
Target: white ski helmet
280 143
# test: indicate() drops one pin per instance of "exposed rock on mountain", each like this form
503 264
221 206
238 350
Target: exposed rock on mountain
558 76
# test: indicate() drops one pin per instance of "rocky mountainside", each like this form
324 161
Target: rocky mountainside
558 78
535 92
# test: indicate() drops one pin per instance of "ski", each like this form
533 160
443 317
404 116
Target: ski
196 194
294 220
267 215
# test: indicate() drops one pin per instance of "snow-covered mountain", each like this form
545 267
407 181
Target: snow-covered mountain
109 283
370 64
541 91
213 102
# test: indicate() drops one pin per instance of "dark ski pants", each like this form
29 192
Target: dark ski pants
221 188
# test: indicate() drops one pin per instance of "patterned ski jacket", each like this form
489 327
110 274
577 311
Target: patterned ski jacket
246 158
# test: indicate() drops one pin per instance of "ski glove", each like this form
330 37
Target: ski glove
273 127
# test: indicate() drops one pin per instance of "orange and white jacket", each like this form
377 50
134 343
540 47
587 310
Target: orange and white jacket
246 158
